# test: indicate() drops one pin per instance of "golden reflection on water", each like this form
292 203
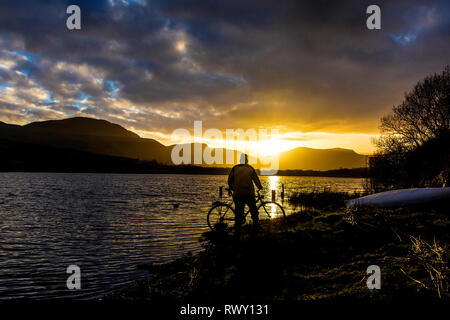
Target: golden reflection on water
273 185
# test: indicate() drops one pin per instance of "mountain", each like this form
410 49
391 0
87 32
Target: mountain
80 125
91 136
320 159
219 154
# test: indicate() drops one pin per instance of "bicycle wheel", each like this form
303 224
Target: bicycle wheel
220 217
271 210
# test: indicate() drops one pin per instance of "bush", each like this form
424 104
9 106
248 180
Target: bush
322 199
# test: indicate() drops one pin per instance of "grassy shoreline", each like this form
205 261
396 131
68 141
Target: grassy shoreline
313 255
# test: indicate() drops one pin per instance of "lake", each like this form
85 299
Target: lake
108 224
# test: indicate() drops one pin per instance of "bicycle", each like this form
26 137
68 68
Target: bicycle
221 216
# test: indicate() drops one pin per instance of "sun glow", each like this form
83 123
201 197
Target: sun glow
180 46
271 146
274 182
261 148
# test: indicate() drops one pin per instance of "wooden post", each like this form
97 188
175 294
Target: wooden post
273 195
282 192
220 192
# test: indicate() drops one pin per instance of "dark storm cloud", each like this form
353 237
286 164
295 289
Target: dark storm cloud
305 65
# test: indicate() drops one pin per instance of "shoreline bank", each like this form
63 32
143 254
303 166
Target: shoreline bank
310 256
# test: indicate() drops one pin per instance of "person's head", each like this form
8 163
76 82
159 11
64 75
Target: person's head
244 159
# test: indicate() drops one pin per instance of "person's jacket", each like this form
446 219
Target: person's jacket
241 179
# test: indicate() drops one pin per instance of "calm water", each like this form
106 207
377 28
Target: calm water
107 224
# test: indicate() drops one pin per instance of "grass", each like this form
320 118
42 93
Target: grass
432 263
323 199
313 255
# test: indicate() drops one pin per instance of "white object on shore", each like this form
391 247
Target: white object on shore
400 198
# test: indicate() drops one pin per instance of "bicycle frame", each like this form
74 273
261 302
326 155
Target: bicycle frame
259 198
230 208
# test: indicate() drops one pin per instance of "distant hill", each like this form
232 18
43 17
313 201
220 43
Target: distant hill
214 153
89 135
320 159
80 125
101 137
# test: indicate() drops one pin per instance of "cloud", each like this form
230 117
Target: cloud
155 66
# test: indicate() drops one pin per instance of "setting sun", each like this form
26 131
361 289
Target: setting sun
261 147
272 146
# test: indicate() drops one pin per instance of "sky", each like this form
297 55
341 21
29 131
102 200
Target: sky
309 69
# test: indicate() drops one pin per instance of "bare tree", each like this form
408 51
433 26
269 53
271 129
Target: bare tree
414 147
423 115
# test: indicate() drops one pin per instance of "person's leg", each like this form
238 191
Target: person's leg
251 202
239 205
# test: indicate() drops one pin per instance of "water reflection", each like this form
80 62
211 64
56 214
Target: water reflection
273 185
108 224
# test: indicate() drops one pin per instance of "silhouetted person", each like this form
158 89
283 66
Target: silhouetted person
240 181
